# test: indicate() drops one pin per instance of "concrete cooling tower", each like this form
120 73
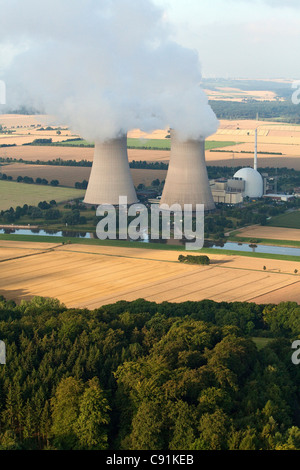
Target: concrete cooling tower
110 176
187 179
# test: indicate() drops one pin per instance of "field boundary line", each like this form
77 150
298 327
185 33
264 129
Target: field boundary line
48 250
212 265
272 291
122 256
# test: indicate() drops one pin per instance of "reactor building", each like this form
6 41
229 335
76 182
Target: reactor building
254 183
187 180
110 176
247 182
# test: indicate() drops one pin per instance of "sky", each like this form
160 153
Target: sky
103 67
234 38
239 38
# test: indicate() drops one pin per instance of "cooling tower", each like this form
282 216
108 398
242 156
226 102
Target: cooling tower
187 180
110 176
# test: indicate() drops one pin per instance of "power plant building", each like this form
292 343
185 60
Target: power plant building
254 184
227 191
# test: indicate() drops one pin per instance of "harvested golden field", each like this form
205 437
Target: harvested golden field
91 276
33 153
271 233
273 138
234 160
138 134
68 176
235 94
26 129
28 138
230 159
12 121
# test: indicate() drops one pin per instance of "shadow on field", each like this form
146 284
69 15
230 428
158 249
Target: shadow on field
221 261
16 295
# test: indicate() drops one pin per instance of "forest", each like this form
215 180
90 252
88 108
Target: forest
281 111
147 376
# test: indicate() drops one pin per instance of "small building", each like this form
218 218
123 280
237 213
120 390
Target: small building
280 197
227 191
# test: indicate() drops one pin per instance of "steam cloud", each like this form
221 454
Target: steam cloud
276 3
103 67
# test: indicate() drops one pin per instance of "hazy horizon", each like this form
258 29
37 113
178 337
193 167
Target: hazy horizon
254 39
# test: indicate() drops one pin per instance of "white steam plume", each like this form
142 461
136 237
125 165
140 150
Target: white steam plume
103 67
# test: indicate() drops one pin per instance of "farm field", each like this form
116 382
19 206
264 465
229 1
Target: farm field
230 159
91 276
68 176
17 194
235 94
274 139
272 233
290 220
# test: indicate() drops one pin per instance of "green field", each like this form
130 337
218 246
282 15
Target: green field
17 194
165 144
151 144
261 342
288 220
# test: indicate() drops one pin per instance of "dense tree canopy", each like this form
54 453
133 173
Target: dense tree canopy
152 376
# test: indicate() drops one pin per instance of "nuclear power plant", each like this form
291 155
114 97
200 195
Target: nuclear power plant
110 176
187 180
186 183
247 182
254 183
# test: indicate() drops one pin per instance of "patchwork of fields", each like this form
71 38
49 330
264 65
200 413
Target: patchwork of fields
91 276
278 144
68 176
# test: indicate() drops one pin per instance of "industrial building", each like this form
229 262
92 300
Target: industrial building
227 191
186 182
280 197
254 183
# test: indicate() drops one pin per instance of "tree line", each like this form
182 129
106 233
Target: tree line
281 111
147 376
29 180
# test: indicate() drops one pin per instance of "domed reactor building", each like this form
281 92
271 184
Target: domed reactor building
254 184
